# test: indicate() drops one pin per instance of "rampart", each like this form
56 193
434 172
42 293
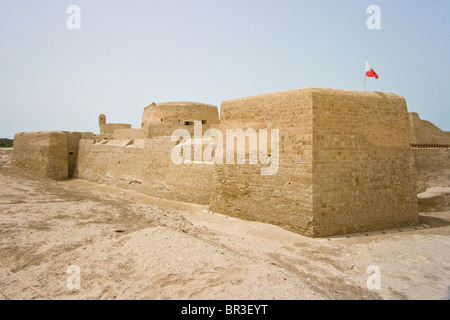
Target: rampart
145 165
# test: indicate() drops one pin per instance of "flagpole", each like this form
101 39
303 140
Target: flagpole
365 76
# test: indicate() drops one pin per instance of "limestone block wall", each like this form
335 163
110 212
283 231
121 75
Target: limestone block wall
144 165
363 168
345 162
42 153
430 147
51 154
285 198
433 167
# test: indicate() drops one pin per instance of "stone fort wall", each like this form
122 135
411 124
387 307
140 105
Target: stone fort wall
286 198
144 165
140 158
50 154
431 150
363 174
345 162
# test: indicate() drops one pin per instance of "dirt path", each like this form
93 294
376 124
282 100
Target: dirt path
131 246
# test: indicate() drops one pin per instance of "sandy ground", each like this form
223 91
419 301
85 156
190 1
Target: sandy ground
132 246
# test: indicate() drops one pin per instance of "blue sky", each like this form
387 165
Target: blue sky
129 54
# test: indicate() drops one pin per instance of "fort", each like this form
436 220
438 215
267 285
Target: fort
349 161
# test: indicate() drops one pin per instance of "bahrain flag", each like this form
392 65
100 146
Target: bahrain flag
369 71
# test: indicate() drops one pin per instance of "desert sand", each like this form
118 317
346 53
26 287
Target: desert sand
133 246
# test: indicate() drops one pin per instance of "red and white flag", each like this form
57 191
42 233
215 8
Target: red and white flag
369 71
